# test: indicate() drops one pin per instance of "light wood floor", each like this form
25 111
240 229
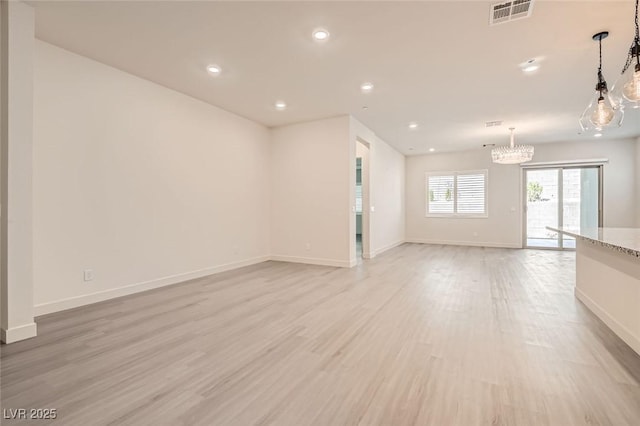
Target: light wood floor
424 335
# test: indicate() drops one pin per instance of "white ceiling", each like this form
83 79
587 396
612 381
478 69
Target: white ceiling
437 63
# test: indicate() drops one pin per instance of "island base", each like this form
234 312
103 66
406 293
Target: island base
608 283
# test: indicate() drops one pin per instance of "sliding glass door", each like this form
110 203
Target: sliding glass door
560 196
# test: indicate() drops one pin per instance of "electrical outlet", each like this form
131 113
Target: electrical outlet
307 246
475 234
88 274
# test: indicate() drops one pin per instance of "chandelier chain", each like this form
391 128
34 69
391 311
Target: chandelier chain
635 46
637 39
600 63
637 29
601 83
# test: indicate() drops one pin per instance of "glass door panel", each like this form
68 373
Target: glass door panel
570 204
580 200
543 190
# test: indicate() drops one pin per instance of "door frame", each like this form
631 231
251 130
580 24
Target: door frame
560 168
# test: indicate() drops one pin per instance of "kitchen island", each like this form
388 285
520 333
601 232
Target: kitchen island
608 277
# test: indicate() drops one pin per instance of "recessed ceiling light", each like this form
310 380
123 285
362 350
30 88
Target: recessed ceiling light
431 149
530 66
214 69
280 105
321 34
413 125
365 107
366 87
597 135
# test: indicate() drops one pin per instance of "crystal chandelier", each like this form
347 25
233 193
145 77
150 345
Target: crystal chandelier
627 89
512 154
602 111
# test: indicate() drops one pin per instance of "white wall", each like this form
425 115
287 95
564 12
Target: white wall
142 184
310 189
503 227
637 182
148 187
387 190
500 229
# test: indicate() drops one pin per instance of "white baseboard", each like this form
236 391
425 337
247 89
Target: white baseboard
15 334
464 243
312 261
619 329
387 247
100 296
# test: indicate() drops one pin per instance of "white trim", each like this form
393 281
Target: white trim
387 247
619 329
15 334
100 296
313 261
457 215
464 243
572 163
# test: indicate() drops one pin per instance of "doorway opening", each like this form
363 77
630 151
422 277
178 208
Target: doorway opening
362 201
561 196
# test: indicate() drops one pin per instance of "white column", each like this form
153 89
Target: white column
16 137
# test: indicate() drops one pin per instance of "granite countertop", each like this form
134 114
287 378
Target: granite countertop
626 240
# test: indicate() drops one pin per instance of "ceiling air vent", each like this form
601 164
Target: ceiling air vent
493 123
510 11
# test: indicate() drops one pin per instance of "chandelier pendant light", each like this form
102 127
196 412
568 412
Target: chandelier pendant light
602 111
626 90
512 154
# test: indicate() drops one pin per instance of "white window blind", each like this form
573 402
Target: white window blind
470 192
457 194
440 194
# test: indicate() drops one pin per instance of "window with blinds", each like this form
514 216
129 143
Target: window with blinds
457 194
